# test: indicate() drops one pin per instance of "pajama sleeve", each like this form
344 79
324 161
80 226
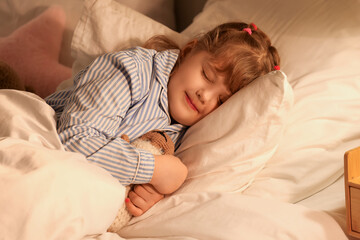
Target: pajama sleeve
93 112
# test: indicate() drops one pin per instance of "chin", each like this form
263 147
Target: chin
184 122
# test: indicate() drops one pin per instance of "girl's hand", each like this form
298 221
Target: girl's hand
169 173
142 198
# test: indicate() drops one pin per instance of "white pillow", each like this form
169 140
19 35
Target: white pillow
107 26
310 35
16 13
227 148
318 43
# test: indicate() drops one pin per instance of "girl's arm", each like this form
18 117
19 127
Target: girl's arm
93 111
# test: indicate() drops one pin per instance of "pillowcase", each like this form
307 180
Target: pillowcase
15 13
107 26
310 35
228 148
318 45
225 150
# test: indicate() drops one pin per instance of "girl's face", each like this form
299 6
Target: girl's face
195 90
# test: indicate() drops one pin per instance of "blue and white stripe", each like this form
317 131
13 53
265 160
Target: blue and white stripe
119 93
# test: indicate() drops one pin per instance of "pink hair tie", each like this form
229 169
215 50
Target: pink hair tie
248 30
254 26
277 67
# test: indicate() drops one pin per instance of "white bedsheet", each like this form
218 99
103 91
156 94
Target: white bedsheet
331 200
52 194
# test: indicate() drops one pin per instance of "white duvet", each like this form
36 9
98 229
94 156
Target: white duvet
48 194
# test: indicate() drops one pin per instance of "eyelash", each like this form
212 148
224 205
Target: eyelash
206 77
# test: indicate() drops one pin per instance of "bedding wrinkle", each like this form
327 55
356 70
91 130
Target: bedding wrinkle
19 121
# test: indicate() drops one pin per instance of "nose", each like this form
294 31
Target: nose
208 96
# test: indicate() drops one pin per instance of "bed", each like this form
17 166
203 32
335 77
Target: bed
270 168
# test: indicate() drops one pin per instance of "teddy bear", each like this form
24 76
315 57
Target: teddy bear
156 142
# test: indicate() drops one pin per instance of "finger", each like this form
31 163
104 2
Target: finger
142 191
148 193
138 201
133 210
154 195
150 188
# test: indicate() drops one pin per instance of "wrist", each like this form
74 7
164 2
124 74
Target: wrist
169 173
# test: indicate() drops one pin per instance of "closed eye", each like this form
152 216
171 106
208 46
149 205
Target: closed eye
206 76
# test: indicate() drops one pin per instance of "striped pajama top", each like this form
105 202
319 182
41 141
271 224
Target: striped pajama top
119 93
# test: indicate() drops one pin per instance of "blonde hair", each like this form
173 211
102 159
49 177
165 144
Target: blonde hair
238 55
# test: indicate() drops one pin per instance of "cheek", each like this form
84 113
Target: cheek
175 80
185 74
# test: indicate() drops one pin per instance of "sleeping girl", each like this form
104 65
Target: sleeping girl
157 86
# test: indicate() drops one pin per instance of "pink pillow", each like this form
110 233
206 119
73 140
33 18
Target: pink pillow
33 51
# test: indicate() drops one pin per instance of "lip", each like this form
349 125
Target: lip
190 103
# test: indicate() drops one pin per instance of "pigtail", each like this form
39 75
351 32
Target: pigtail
275 57
270 58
